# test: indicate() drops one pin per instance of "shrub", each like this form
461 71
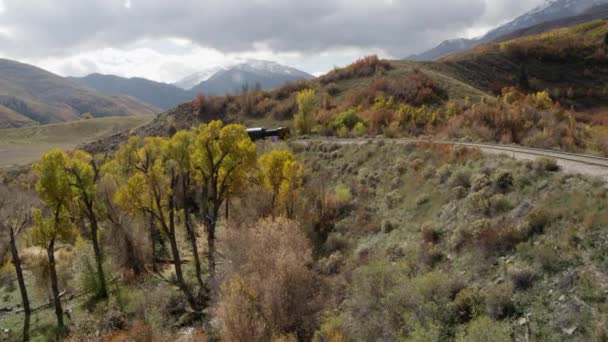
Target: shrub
522 279
343 194
484 329
547 164
468 304
538 219
460 178
504 181
364 67
348 119
430 234
332 89
498 301
271 289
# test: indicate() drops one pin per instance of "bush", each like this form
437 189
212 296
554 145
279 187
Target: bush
271 289
348 119
504 181
547 164
364 67
343 194
468 304
538 219
498 301
484 329
522 279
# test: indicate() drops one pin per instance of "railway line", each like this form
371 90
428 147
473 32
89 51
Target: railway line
569 162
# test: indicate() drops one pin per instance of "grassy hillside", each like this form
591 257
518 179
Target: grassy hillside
32 95
570 62
160 95
25 145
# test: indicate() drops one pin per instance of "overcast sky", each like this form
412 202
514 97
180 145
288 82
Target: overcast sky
166 40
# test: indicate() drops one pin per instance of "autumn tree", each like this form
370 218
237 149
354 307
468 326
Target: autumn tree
223 157
304 117
15 217
83 173
281 175
178 152
53 225
151 190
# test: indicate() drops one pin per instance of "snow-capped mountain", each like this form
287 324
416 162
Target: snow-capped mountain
231 79
190 81
548 11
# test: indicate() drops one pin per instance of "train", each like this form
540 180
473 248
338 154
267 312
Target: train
260 133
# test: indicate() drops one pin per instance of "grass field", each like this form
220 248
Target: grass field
20 146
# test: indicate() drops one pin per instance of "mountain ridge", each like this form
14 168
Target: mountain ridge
549 11
31 95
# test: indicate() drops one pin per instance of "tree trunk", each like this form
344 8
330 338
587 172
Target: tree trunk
22 289
55 286
102 291
193 244
211 248
176 258
153 243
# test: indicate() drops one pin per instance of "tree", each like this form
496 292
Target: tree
53 225
178 151
83 174
151 190
282 176
303 118
15 217
223 157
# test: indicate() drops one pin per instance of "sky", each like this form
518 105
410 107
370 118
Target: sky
166 40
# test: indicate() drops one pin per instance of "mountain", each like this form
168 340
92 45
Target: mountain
30 95
193 80
231 79
161 95
549 11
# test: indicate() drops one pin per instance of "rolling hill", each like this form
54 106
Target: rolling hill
161 95
551 10
30 95
569 62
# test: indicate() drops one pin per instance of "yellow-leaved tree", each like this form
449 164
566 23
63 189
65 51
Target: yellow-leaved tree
151 191
304 120
281 175
53 224
223 156
83 174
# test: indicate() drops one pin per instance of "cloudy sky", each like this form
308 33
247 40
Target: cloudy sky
166 40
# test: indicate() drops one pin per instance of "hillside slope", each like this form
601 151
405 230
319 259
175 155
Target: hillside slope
160 95
551 10
30 95
570 62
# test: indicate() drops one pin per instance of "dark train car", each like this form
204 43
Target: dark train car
259 133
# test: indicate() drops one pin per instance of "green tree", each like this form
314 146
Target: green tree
303 118
223 157
50 227
83 173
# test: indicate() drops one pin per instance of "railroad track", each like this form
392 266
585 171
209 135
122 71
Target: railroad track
569 162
